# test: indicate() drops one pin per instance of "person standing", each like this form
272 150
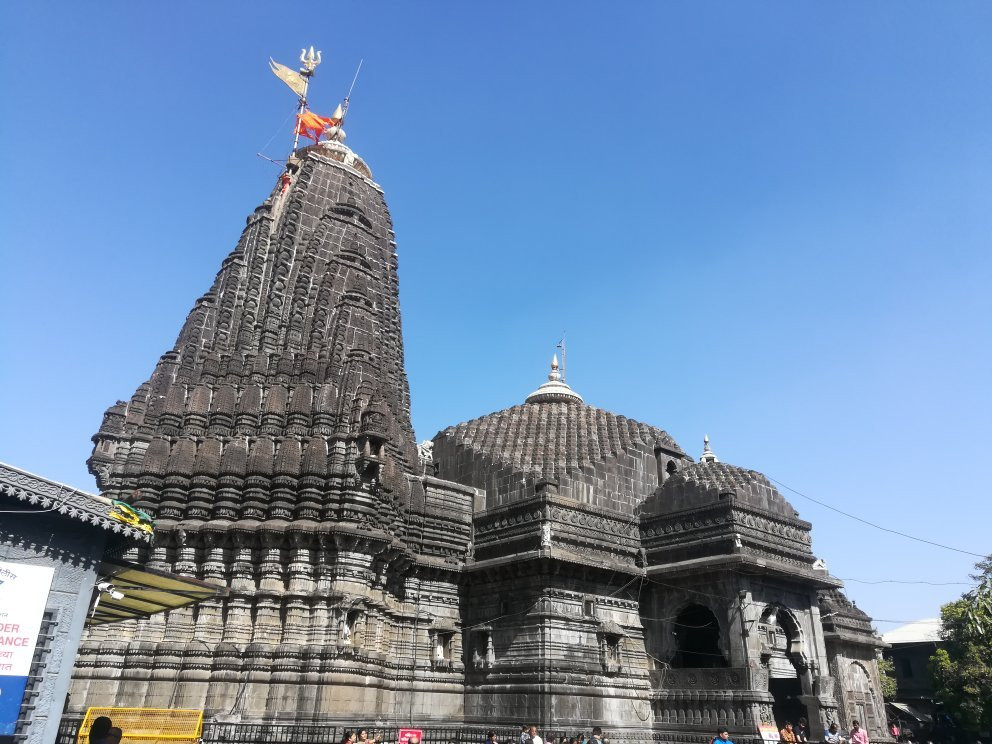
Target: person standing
535 739
524 735
858 734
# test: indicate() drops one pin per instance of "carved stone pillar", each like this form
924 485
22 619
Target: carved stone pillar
268 628
185 552
296 629
270 574
325 560
301 563
242 567
237 623
158 556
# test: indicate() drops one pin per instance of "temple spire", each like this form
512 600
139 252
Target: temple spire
707 455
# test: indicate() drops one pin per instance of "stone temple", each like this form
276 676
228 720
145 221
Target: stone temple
551 563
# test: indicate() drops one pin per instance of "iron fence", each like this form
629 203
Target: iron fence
333 733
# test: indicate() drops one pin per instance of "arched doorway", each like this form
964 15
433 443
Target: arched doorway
780 650
861 704
697 639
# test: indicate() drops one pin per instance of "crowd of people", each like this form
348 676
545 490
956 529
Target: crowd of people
529 735
799 733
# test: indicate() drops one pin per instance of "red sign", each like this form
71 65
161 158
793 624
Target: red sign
405 735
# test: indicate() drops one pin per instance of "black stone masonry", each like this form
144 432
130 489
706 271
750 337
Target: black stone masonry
552 563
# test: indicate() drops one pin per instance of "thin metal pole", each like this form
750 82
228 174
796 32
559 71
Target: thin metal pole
354 79
347 98
303 105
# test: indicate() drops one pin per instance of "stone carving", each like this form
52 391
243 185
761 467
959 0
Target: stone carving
273 444
706 679
425 453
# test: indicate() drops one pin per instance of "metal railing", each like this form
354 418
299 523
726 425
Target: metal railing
319 733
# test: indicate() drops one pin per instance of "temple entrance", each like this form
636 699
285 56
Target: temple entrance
787 705
780 649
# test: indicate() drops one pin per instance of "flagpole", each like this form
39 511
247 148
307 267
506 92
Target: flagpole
299 113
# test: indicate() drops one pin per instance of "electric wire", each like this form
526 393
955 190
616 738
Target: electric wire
873 524
907 581
274 135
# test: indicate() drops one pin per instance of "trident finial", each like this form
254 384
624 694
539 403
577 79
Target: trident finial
309 61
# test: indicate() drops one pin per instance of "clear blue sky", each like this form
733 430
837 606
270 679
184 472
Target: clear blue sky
768 222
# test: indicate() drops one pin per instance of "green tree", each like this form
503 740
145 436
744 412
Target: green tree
962 668
886 675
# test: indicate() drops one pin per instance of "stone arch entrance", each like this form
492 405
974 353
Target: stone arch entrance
861 705
697 639
781 652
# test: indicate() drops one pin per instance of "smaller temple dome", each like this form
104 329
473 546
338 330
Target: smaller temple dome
554 389
705 481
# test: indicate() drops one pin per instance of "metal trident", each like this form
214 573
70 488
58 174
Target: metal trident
309 60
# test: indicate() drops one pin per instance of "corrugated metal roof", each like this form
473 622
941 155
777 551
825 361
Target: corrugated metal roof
920 631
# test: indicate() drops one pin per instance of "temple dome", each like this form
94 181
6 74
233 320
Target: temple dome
708 481
556 440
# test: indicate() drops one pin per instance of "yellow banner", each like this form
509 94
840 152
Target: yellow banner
292 78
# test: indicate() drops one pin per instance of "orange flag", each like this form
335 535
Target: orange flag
311 125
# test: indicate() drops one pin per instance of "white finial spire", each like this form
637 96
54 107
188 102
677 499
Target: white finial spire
707 455
555 389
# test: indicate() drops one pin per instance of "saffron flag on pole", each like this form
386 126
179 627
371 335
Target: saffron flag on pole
311 125
292 78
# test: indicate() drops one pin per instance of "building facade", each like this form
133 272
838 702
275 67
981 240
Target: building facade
910 648
63 537
552 562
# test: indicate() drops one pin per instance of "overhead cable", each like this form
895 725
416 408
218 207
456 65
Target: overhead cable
873 524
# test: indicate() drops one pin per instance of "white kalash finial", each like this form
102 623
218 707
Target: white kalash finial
555 389
707 455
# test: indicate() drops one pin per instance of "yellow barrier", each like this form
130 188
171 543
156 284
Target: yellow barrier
147 725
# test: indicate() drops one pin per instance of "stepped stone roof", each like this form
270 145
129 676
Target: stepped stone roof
840 616
703 482
586 453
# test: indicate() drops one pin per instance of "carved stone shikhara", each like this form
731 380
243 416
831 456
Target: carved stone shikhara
531 564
